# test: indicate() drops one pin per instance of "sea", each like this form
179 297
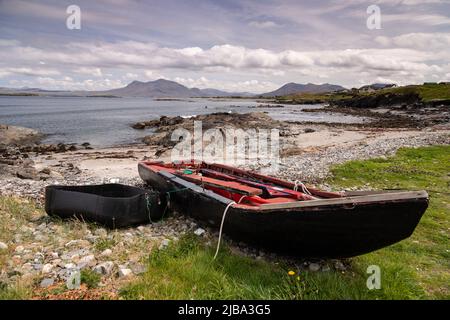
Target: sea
105 122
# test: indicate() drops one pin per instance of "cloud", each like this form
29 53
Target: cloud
96 72
264 24
67 83
423 41
419 19
409 54
272 42
28 72
255 86
89 58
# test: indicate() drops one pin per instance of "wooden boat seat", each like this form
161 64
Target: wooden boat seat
231 186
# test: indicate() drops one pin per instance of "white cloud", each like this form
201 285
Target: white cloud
68 83
414 56
416 18
28 71
92 71
423 41
264 24
253 85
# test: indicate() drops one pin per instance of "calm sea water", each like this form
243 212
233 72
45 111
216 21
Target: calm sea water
106 121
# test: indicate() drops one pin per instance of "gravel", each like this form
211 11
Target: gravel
314 167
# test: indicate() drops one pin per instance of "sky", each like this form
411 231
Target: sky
234 45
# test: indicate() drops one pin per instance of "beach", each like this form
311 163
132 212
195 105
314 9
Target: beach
49 248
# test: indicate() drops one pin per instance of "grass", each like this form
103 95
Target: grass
424 258
90 278
186 270
427 93
416 268
103 244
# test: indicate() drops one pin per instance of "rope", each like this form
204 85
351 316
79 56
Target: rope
301 184
148 208
221 225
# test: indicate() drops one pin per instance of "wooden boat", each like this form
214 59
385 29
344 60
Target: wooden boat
286 217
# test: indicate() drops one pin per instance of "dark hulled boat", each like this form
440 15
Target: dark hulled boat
286 217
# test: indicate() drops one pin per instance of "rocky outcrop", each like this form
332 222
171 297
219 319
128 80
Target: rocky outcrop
18 135
15 157
166 125
378 100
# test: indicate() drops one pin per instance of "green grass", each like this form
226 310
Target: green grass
427 92
424 258
90 278
186 270
103 244
416 268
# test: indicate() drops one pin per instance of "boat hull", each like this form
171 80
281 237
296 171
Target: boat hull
335 228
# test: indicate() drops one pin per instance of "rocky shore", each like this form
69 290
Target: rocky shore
43 251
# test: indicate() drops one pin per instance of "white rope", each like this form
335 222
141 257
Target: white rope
301 184
221 225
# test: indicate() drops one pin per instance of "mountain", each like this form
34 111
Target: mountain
166 89
292 88
160 89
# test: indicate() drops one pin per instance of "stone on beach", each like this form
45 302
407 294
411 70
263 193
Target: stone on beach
199 231
104 268
45 283
106 253
125 272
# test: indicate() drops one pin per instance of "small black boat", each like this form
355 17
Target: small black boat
112 205
287 217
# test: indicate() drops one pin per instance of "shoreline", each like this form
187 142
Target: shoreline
44 250
308 151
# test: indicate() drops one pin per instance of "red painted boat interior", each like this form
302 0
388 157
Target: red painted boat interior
246 188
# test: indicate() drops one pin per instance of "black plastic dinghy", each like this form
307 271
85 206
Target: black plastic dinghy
112 205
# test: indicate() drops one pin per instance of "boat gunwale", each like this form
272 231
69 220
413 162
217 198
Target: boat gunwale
375 198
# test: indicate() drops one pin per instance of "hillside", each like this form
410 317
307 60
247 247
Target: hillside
427 94
295 88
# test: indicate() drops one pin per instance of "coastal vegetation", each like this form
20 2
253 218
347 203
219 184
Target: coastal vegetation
426 93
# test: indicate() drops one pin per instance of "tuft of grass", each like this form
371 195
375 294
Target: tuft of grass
90 278
17 291
103 244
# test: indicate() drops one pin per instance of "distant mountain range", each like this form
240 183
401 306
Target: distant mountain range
170 89
293 88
